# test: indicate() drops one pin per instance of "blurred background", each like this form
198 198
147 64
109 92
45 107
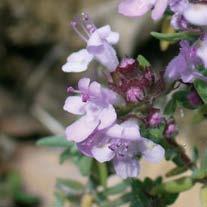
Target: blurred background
35 40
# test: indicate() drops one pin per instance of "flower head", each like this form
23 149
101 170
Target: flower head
184 65
95 104
99 43
121 143
136 8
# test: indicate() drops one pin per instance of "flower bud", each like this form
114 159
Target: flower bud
194 99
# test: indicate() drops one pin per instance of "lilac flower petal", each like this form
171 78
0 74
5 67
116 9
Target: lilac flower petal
134 8
159 9
172 72
78 61
95 43
126 168
111 97
95 89
107 117
81 129
152 152
202 52
83 84
128 130
102 153
75 105
107 57
196 14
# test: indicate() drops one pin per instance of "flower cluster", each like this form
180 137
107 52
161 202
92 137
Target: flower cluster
99 132
109 127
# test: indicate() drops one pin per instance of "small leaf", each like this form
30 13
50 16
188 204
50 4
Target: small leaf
54 141
59 200
176 186
84 164
176 171
64 155
119 188
171 37
204 161
143 61
170 107
71 184
195 155
201 88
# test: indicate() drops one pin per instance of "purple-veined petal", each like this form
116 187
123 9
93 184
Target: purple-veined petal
134 8
159 9
126 168
102 153
75 105
78 61
81 129
95 43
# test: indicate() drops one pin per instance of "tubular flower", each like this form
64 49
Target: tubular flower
95 106
99 43
184 65
121 143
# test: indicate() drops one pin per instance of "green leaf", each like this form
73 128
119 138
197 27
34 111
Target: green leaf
201 88
59 200
175 186
170 107
84 164
124 199
26 199
172 37
176 171
71 184
119 188
143 61
204 161
195 154
54 141
65 155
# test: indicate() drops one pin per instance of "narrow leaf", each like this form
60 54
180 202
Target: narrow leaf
54 141
171 37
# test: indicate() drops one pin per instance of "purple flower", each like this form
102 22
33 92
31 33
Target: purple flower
135 94
136 8
171 129
94 105
194 99
98 47
155 118
121 144
184 65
